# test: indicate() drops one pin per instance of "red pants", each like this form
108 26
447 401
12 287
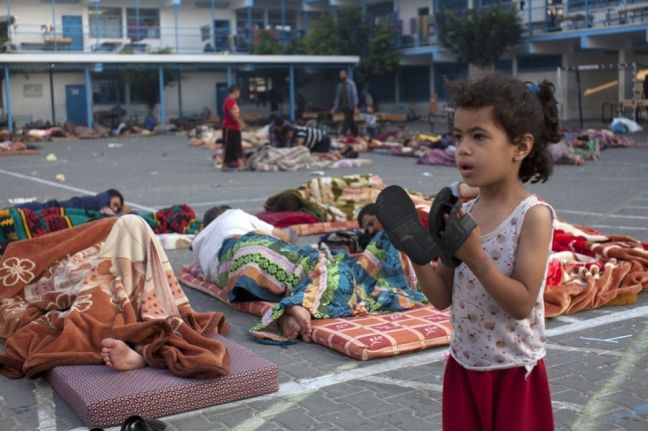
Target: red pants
499 400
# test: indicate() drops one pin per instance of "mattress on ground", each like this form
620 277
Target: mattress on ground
361 337
103 397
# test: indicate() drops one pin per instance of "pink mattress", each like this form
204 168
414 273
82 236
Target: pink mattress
104 397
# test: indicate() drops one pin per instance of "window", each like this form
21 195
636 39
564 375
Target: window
539 62
105 22
256 18
457 5
505 66
104 92
275 22
148 25
414 83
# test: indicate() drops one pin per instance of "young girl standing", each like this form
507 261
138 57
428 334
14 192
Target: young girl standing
495 378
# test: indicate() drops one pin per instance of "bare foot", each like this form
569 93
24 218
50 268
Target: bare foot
117 355
289 326
303 318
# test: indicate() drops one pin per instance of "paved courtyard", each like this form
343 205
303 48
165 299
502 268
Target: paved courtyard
596 360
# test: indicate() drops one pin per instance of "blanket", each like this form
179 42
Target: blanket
22 223
270 159
588 270
62 293
327 284
339 198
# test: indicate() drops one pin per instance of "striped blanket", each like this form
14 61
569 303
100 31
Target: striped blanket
326 284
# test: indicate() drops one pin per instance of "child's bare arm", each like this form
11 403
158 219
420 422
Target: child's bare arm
436 284
516 294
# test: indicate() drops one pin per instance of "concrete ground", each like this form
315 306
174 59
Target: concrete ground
596 360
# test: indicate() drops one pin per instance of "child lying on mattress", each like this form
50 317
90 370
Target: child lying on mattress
251 260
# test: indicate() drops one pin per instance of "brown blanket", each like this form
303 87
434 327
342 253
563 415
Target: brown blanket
589 270
62 293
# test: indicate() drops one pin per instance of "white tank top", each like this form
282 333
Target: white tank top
485 336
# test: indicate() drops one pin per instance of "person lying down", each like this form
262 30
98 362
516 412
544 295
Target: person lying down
247 258
102 293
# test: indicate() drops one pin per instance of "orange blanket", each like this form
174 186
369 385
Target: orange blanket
589 270
62 293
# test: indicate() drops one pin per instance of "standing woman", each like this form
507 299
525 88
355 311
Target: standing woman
232 126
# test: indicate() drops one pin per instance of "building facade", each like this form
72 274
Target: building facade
67 59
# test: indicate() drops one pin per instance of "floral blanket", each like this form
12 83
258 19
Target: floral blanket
326 284
62 293
588 270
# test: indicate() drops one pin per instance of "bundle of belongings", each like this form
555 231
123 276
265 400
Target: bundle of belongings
13 148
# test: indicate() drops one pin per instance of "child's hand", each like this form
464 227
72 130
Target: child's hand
471 249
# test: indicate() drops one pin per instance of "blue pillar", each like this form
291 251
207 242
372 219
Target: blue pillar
176 5
250 31
229 76
291 83
8 98
137 19
96 8
530 24
213 26
587 21
350 72
283 21
162 101
363 10
54 22
88 88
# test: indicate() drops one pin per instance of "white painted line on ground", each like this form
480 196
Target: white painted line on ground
635 207
566 319
632 217
66 187
45 403
597 405
607 226
606 319
306 386
585 350
225 202
404 383
563 405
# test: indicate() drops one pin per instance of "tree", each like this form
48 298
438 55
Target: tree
347 34
481 36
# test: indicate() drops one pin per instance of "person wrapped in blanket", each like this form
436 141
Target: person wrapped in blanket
110 202
244 255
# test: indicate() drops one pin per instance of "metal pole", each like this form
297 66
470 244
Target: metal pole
88 88
96 7
213 24
119 109
363 10
580 97
250 30
51 81
530 27
634 93
291 86
229 76
137 19
283 22
7 79
179 91
162 101
54 22
175 19
587 13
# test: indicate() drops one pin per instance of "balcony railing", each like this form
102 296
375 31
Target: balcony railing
537 17
142 39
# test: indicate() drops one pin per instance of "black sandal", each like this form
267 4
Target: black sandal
455 230
397 214
138 423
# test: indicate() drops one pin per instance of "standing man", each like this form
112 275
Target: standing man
232 126
346 101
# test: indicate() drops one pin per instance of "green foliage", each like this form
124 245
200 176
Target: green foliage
346 34
480 36
266 44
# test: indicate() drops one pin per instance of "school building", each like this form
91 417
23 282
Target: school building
71 59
